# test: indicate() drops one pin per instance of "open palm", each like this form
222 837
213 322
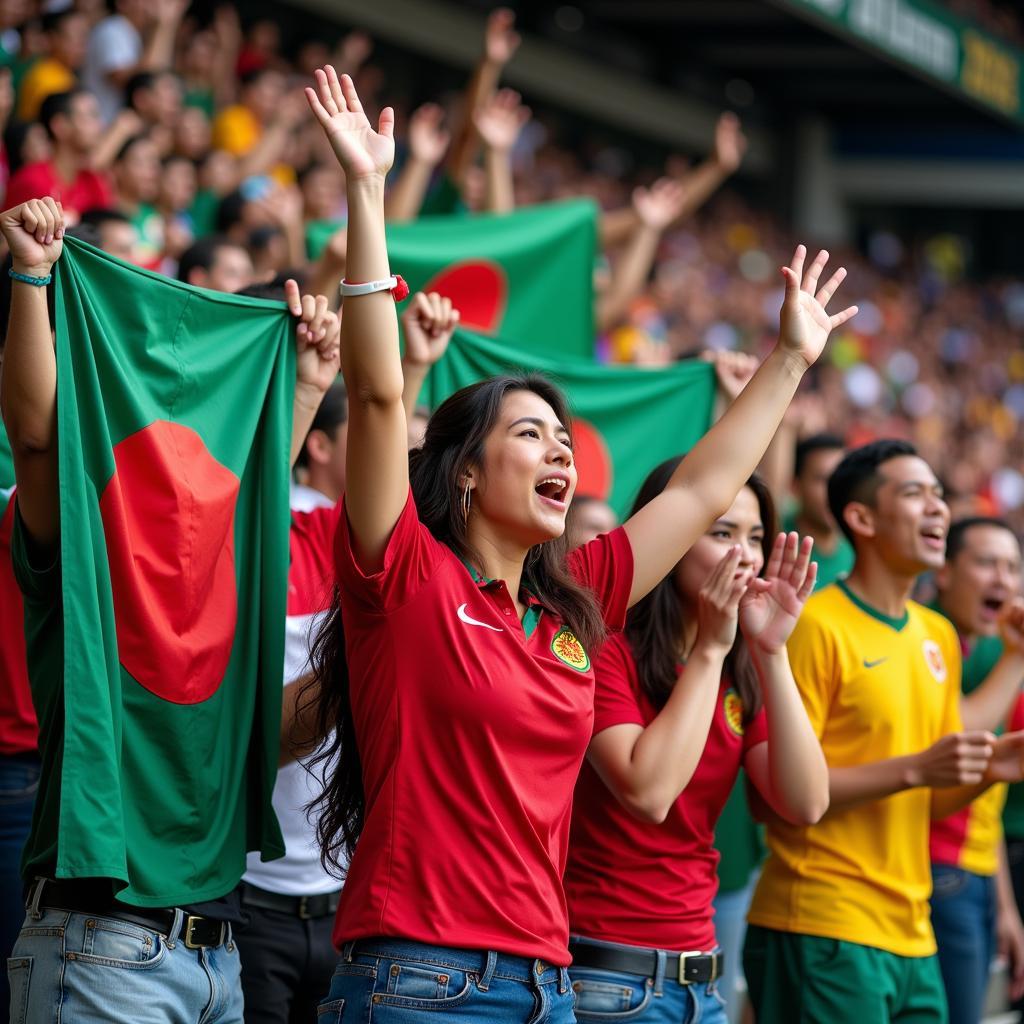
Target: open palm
804 324
361 151
772 604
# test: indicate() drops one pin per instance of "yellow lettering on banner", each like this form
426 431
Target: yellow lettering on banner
990 74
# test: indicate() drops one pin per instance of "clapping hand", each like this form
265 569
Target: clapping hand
772 604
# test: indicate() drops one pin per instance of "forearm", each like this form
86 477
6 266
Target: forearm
500 188
1006 900
849 786
304 406
405 200
615 226
629 274
667 752
369 349
987 706
299 735
158 54
701 183
109 145
464 149
724 458
798 777
950 799
777 465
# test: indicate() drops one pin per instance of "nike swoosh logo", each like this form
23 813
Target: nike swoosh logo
872 664
475 622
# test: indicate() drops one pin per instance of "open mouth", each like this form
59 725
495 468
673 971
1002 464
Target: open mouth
992 606
553 489
935 537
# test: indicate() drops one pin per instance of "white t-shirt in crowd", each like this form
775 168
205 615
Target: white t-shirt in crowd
114 44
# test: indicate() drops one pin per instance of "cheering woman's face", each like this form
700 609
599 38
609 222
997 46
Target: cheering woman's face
527 478
740 525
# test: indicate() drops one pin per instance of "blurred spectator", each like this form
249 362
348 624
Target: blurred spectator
118 49
67 34
111 231
72 121
137 180
217 263
156 97
239 127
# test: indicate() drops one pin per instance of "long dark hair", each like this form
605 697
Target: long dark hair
454 441
655 623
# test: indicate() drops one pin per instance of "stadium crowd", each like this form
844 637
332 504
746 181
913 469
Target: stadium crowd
185 145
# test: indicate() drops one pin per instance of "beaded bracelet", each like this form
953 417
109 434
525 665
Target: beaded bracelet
39 282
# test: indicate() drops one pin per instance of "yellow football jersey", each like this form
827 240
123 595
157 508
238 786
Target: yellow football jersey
874 688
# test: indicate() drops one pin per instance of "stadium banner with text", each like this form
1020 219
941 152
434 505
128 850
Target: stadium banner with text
932 41
526 275
626 419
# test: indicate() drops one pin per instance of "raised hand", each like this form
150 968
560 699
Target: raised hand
804 324
317 339
428 322
500 120
730 143
361 151
34 232
659 205
718 603
1011 625
772 604
428 141
733 370
500 38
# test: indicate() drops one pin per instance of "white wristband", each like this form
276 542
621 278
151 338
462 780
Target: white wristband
386 284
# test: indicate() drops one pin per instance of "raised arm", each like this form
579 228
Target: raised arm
655 208
428 142
987 706
378 466
500 44
711 475
428 323
498 123
28 373
317 343
647 768
789 770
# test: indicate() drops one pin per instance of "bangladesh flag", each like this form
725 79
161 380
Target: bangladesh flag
526 275
626 419
174 412
6 462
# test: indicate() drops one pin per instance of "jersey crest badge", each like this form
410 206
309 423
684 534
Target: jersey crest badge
936 663
566 648
732 708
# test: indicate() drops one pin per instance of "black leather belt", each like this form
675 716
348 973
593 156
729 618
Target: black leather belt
82 898
686 968
304 907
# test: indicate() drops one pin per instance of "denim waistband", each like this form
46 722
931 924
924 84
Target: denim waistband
480 961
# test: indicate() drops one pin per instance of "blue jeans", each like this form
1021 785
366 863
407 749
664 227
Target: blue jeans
85 969
615 996
19 780
407 982
963 916
730 930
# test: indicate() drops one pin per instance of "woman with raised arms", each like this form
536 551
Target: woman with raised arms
455 669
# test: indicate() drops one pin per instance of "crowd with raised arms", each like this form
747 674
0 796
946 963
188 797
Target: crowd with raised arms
511 728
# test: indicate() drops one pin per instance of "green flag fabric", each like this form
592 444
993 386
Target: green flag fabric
6 461
527 275
626 419
174 420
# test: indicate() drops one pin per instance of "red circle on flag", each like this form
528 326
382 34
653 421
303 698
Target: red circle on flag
169 520
593 461
478 290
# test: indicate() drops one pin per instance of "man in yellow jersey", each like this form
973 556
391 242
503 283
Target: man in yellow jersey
840 926
978 591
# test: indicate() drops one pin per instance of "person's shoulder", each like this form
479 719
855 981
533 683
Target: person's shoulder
824 605
932 621
40 170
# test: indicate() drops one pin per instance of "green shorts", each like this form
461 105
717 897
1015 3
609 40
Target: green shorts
805 979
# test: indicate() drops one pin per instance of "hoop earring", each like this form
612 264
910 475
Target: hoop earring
466 501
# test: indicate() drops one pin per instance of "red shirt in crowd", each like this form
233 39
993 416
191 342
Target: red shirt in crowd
90 190
636 882
18 727
471 727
